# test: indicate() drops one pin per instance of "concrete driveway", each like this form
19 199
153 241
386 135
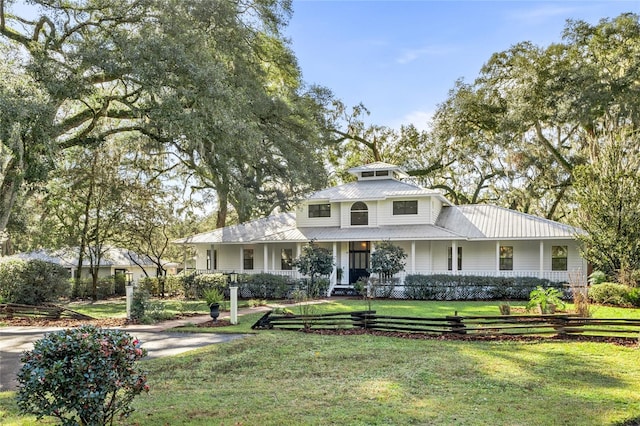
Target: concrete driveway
15 340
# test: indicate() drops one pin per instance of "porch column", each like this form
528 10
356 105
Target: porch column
541 272
454 256
334 277
298 250
241 259
273 259
265 261
430 256
498 256
413 257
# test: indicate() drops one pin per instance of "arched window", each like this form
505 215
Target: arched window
359 214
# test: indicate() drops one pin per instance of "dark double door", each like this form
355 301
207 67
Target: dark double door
359 257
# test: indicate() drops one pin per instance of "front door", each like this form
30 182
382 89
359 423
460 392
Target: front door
359 252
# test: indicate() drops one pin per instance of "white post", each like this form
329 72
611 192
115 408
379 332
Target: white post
129 294
413 257
233 314
541 274
265 258
454 256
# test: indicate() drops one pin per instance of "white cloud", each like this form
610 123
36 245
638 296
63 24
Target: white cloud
542 12
410 55
420 119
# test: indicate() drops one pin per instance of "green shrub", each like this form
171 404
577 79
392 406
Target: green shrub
82 376
597 277
150 284
120 284
32 282
139 304
266 286
313 289
610 294
634 296
194 285
472 287
547 299
173 286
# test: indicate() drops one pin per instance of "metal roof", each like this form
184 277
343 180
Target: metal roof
68 257
481 221
378 166
368 190
256 230
471 222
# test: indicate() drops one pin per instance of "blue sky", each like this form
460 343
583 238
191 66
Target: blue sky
400 58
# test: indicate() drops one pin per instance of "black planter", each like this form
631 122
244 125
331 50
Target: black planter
214 310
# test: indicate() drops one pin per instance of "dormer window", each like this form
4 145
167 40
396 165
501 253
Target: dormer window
367 174
382 173
320 210
359 214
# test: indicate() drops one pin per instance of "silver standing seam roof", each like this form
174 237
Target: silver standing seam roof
470 222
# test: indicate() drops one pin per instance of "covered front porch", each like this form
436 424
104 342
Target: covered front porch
555 260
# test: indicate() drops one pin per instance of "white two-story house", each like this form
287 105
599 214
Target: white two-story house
438 237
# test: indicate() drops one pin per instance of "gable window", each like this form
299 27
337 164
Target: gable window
405 207
559 257
359 214
450 258
320 210
286 259
247 258
506 258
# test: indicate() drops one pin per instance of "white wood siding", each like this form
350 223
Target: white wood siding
574 261
436 206
477 255
386 216
303 219
345 216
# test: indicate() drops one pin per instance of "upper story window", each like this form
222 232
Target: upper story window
359 214
559 258
382 173
405 207
320 210
506 258
367 174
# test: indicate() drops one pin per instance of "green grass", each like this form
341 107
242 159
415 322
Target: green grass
284 377
276 378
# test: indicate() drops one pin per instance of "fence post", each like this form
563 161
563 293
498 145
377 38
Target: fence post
457 325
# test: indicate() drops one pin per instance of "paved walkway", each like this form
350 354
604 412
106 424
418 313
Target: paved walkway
157 339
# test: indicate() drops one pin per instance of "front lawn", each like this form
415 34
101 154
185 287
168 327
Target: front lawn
284 377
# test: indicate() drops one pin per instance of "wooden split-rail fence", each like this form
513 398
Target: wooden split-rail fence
498 325
14 310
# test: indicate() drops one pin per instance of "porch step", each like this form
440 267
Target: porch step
344 290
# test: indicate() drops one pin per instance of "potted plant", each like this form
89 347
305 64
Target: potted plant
213 297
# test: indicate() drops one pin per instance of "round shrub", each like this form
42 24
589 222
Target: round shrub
610 294
81 376
32 282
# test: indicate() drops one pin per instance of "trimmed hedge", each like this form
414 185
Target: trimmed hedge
473 287
265 286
